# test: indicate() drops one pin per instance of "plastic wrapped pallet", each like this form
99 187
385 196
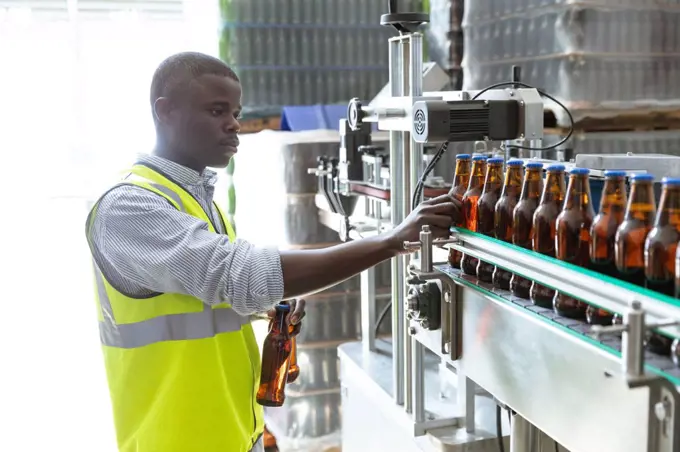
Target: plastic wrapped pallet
304 52
652 142
600 57
444 37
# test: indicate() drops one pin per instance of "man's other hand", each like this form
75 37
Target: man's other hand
294 318
439 213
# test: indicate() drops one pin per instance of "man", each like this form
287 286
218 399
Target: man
176 289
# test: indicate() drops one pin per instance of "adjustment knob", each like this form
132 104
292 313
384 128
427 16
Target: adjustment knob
404 22
355 115
412 300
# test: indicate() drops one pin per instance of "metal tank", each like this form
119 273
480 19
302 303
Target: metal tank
275 207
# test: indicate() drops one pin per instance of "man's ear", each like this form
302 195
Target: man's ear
161 109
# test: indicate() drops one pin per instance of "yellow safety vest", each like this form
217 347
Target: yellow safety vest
182 375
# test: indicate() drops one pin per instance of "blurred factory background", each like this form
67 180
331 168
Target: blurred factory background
74 110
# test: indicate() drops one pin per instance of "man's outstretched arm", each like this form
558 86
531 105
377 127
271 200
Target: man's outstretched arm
313 270
142 244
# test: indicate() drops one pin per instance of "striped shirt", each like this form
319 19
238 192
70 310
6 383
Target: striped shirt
144 246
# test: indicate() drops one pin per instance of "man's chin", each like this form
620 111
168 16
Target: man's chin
225 157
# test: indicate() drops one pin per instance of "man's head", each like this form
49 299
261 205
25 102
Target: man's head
196 102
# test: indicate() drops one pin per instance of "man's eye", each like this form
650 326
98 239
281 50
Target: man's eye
216 111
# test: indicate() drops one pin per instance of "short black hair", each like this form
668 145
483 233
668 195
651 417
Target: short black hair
180 69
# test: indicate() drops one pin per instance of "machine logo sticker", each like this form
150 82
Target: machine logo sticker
419 121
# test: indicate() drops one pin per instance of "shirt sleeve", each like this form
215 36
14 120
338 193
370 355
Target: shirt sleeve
143 244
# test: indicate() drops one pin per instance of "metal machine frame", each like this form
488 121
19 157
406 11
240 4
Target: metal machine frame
559 377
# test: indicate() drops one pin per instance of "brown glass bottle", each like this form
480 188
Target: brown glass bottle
572 236
276 352
486 210
522 221
293 368
603 235
545 217
512 189
629 243
461 180
660 250
472 194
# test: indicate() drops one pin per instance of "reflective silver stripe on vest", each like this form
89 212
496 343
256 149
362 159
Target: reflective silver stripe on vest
162 188
175 327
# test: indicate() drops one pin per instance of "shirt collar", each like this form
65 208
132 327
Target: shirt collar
180 173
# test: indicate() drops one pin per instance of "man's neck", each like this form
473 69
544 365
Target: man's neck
178 158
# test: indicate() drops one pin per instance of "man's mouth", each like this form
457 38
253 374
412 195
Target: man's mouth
232 142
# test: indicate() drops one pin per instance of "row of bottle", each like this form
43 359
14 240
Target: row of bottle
302 86
306 12
587 81
629 239
574 29
332 47
483 10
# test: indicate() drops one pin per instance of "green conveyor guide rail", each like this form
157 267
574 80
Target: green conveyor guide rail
591 287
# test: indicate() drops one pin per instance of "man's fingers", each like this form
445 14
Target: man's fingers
438 221
296 329
447 208
298 308
438 200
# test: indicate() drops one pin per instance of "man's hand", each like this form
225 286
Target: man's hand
295 316
439 213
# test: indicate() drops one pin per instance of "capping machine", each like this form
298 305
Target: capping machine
471 367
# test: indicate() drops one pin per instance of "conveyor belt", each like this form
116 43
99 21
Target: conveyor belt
661 365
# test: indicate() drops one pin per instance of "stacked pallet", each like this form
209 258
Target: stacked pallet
444 37
614 64
305 52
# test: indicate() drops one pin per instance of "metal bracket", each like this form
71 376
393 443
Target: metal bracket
664 419
425 245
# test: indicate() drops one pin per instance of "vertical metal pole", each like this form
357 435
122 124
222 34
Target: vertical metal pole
407 190
632 341
368 319
520 435
397 215
413 66
418 377
466 398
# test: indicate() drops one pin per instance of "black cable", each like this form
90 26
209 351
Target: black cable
418 192
382 316
544 94
499 429
557 446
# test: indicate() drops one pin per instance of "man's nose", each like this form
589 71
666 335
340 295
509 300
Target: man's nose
232 125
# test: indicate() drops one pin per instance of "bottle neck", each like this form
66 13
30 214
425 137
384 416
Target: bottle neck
554 188
477 174
278 323
578 193
462 174
513 181
641 203
494 178
613 196
669 208
533 184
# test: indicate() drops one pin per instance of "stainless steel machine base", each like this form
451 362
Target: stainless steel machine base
372 421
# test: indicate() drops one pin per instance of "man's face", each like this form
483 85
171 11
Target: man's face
205 120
